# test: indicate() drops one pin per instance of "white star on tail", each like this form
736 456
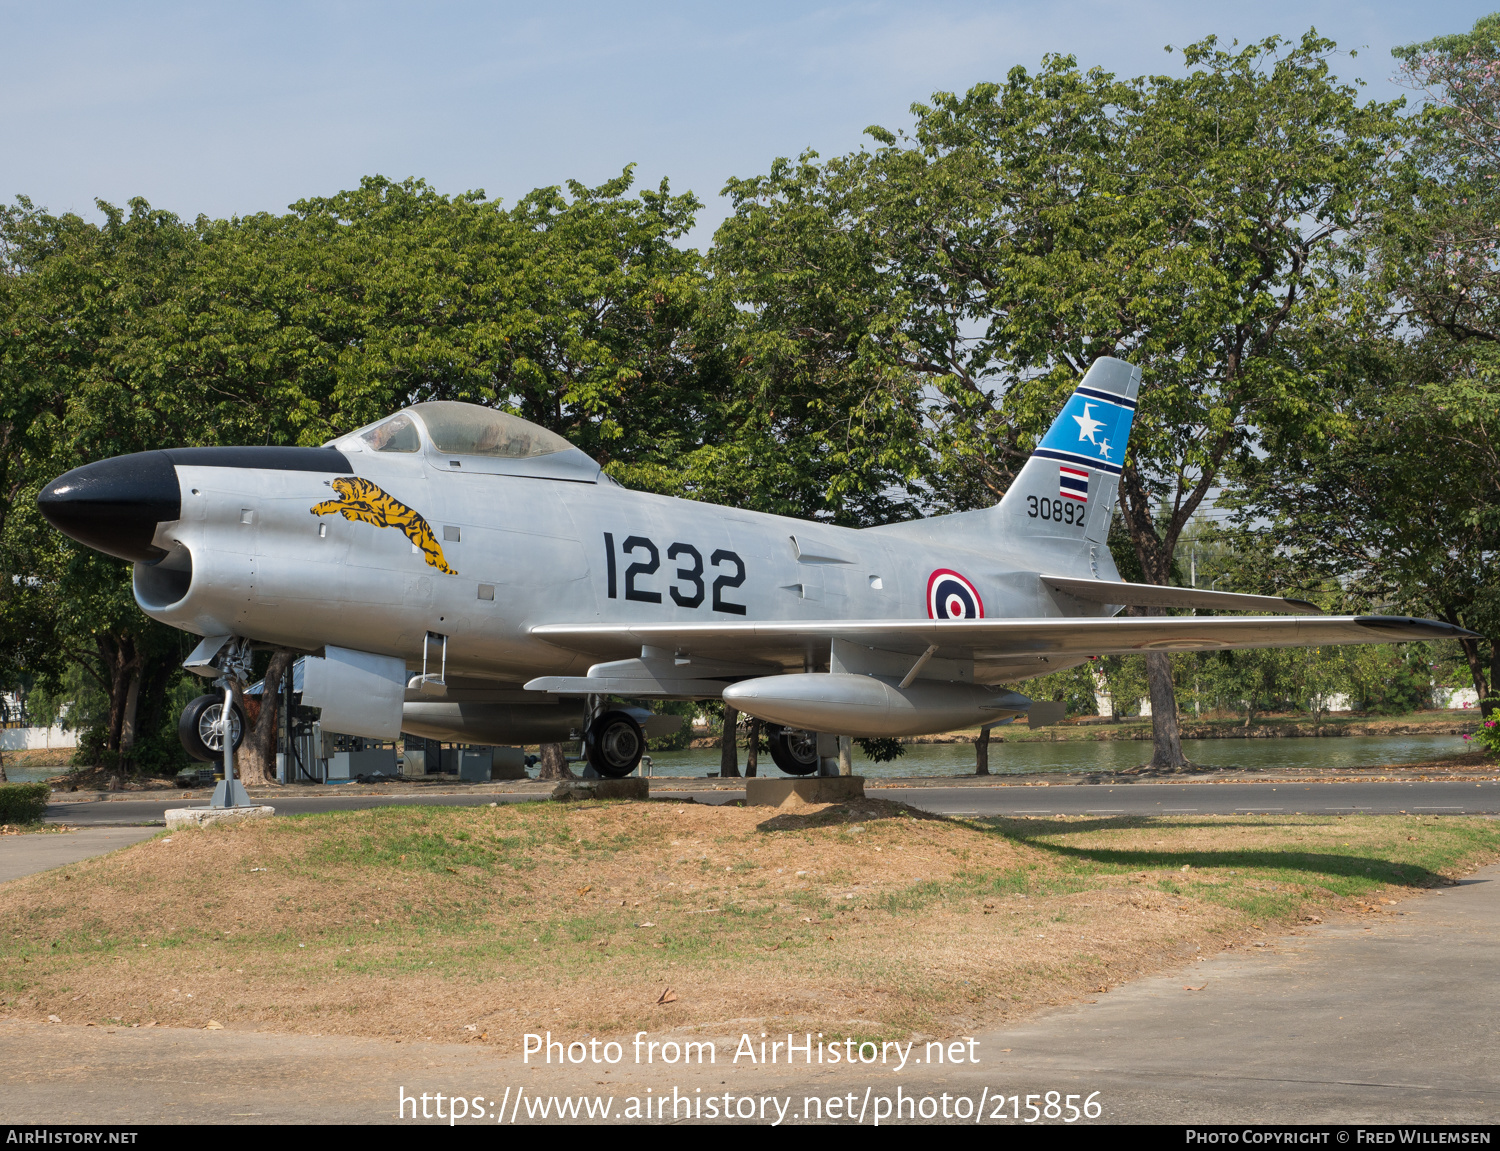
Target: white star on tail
1087 425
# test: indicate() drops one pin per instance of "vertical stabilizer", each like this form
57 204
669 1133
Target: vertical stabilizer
1065 495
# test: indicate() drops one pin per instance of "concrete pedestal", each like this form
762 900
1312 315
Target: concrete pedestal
180 817
808 789
632 787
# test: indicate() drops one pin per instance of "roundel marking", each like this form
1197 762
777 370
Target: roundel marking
952 596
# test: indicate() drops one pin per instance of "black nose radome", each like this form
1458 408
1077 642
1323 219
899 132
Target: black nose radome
113 506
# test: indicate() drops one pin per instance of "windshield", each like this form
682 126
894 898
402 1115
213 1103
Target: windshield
469 430
397 434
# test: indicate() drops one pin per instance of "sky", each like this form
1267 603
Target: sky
233 108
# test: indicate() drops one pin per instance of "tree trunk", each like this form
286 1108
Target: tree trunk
555 763
752 750
1470 649
729 755
3 779
128 727
255 762
982 752
1487 709
123 665
1166 734
115 655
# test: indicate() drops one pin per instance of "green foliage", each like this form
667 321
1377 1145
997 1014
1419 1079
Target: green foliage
1487 738
683 736
1076 687
881 750
23 802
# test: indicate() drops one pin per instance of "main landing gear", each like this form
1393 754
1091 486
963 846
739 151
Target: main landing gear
613 744
793 750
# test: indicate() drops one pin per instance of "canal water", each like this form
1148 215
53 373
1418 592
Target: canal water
1112 755
942 759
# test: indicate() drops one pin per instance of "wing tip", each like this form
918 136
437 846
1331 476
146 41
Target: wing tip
1423 628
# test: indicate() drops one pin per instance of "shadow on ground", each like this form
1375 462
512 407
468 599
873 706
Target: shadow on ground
1034 833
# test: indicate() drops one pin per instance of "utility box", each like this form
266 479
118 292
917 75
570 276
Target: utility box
477 764
352 764
474 763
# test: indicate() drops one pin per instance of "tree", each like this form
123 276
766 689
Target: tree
81 310
1380 507
255 761
145 332
555 762
1195 225
729 761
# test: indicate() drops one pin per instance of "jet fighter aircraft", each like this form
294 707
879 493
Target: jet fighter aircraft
455 572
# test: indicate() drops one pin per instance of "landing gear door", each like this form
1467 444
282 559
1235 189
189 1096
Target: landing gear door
360 693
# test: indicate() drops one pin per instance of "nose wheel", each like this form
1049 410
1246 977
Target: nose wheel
613 744
201 728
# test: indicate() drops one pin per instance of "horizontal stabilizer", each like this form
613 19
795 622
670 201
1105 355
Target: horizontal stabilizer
1154 595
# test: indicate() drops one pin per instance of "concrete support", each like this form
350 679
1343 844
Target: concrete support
800 792
180 817
631 787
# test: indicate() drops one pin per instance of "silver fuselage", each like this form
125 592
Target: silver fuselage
248 557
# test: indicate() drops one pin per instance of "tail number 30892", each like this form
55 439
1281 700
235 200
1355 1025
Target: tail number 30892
1063 511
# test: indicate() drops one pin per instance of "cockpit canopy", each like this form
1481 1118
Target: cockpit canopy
485 437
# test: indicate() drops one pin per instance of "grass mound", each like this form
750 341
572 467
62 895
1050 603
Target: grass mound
480 923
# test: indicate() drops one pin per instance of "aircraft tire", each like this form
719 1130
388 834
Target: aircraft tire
789 749
195 727
614 744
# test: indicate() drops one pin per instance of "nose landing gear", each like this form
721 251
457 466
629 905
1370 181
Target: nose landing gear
201 728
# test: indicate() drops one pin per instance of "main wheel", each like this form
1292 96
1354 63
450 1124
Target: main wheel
794 751
613 744
201 729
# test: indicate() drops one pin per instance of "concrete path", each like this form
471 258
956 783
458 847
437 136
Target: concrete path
1393 1022
1387 1023
23 854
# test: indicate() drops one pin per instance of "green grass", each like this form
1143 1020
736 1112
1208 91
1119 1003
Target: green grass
490 901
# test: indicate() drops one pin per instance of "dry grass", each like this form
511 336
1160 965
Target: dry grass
871 917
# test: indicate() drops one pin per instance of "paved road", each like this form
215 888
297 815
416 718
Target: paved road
1345 1023
23 854
1436 798
1208 799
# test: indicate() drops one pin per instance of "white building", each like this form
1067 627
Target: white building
1454 697
15 737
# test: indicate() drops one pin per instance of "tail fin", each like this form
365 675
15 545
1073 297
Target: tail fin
1065 495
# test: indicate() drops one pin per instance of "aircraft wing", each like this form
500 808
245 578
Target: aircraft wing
1000 648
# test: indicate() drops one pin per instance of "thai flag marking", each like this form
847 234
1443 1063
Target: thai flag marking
1073 483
